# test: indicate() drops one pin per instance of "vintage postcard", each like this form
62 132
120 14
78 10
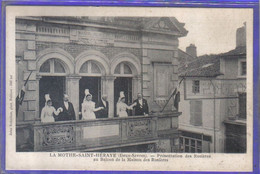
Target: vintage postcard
127 88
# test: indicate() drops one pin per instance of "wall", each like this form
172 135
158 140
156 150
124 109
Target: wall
144 51
231 68
33 40
76 49
207 127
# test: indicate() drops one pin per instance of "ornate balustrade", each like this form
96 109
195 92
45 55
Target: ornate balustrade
99 134
93 134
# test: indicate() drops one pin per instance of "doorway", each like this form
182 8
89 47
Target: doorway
53 85
123 84
94 86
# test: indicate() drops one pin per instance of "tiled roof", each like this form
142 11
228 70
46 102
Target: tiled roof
208 65
203 66
184 57
238 51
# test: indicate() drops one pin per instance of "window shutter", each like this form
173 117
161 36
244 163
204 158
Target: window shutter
196 113
242 105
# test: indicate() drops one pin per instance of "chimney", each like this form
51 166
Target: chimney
241 36
192 50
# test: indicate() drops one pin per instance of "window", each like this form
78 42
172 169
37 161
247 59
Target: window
52 66
242 105
243 68
196 86
190 145
123 68
90 67
196 113
58 68
194 142
45 67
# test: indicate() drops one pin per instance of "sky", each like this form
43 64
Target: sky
213 31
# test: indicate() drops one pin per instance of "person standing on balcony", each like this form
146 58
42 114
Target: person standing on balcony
88 107
121 106
48 110
141 107
68 110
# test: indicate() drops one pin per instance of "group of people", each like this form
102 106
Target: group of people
91 110
64 112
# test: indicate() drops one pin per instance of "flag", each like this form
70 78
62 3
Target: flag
177 100
20 96
19 99
176 95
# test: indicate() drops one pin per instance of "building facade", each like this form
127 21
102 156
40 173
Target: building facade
103 54
234 66
213 101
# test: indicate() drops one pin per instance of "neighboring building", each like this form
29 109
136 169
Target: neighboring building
184 58
191 50
197 106
105 55
213 102
233 65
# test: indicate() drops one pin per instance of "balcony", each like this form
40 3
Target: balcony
101 134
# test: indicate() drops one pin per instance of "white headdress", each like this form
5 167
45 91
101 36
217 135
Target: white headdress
121 95
47 98
87 92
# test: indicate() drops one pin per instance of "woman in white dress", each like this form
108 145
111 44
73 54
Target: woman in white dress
88 107
121 106
48 110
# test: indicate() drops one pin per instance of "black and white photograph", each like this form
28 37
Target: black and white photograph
174 83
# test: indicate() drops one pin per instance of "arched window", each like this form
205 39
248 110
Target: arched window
53 81
123 69
52 66
91 79
90 68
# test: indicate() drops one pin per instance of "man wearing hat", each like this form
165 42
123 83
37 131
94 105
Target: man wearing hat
103 103
68 110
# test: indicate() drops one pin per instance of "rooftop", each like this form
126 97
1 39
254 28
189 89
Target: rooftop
208 65
165 24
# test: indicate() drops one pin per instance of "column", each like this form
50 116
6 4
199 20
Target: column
37 109
137 85
73 92
108 88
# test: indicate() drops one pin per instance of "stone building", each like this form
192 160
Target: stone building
213 101
103 54
234 66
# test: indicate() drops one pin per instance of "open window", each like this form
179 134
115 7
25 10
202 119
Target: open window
91 79
52 82
123 82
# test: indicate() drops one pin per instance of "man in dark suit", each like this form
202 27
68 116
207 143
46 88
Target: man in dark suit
141 106
103 113
68 112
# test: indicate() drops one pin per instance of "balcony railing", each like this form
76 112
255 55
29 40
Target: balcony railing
96 135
